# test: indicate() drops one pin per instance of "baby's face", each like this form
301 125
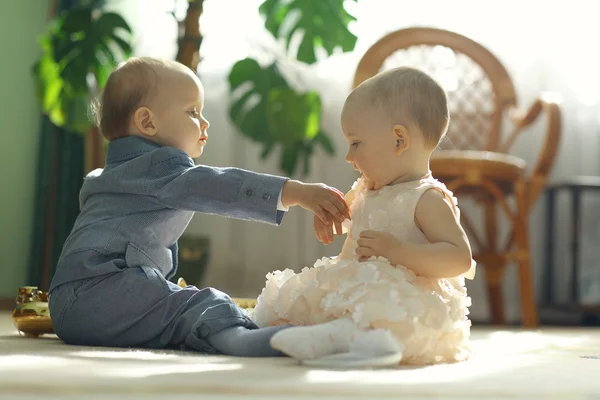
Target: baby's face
372 145
180 121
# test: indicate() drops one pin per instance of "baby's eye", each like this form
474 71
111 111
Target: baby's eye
194 113
355 144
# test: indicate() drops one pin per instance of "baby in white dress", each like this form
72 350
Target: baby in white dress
398 284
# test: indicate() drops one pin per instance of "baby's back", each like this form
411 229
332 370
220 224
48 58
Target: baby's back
121 224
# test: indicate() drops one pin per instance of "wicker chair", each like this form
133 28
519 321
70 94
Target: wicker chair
474 158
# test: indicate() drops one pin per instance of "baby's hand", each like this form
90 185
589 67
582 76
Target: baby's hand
324 232
325 202
378 244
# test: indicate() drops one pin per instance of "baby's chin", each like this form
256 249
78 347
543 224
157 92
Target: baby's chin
195 154
375 184
369 183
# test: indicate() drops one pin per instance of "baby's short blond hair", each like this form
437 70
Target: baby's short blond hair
409 94
129 86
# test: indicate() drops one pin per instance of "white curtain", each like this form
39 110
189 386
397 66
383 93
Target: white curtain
546 47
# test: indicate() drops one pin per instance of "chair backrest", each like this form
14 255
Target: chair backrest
478 86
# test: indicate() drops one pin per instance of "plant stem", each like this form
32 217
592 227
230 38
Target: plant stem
189 45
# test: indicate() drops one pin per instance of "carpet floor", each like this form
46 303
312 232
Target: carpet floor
512 363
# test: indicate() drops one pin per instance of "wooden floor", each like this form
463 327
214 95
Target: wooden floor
553 363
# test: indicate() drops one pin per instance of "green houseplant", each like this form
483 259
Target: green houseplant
265 107
79 50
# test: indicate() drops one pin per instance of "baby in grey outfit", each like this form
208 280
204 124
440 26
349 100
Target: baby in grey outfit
111 286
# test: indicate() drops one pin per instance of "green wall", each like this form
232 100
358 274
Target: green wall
21 22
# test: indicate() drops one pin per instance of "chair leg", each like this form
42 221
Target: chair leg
529 314
496 303
494 273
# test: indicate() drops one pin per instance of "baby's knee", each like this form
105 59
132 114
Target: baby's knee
216 294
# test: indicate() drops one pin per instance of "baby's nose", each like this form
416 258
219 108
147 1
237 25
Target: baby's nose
348 158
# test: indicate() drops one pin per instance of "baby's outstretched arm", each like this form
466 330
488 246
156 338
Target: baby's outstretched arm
447 254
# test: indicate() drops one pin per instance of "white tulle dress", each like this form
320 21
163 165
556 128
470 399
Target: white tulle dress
427 317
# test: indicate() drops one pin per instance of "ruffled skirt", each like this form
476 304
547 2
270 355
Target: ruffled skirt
428 318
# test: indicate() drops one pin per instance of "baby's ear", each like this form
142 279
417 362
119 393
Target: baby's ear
401 137
145 121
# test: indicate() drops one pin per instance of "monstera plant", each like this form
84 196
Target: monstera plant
266 108
79 50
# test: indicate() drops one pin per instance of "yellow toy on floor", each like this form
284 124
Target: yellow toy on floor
31 315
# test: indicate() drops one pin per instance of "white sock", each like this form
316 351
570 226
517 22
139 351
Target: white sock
309 342
375 342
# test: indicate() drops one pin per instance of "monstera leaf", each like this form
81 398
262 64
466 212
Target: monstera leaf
249 110
302 124
294 130
82 42
271 113
268 110
324 23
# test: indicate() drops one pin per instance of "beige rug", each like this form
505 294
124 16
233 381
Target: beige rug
551 363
